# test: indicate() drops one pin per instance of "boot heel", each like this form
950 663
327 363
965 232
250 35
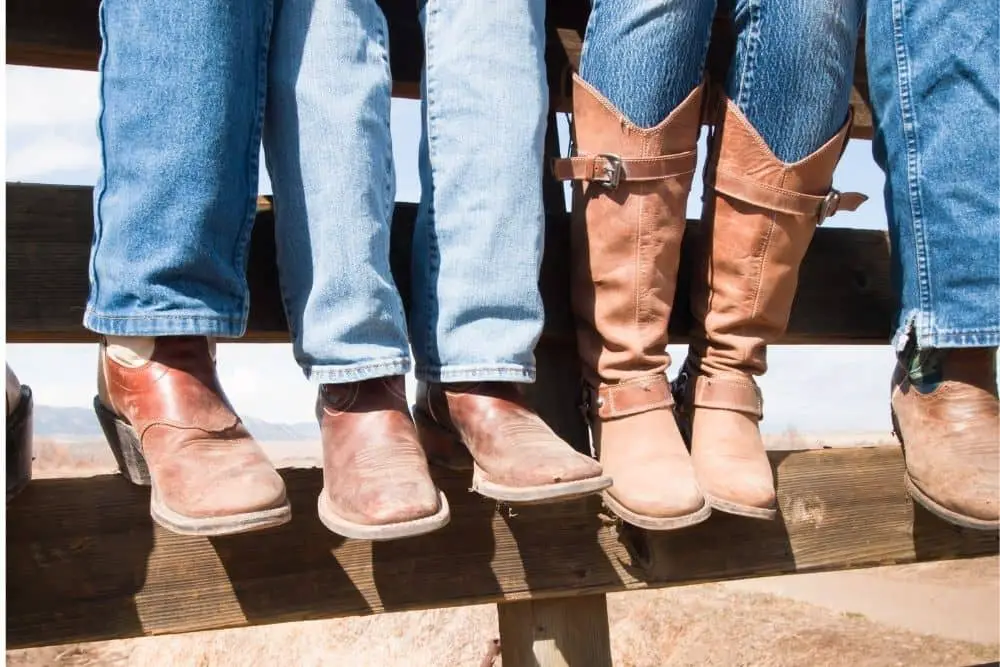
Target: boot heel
124 443
442 448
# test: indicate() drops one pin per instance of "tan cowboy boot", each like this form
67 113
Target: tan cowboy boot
759 218
171 426
516 458
949 426
377 485
629 217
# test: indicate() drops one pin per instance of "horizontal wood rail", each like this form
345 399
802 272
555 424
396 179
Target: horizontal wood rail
85 562
844 295
64 34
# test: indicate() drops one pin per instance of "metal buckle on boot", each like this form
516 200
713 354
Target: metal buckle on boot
829 205
612 170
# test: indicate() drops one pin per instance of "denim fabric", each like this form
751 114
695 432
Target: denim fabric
182 92
791 73
477 249
185 95
934 80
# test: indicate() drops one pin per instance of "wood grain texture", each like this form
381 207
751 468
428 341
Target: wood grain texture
64 34
845 295
84 561
557 632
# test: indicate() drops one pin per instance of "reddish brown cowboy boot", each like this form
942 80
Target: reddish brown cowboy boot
630 199
516 456
171 426
376 482
758 220
949 427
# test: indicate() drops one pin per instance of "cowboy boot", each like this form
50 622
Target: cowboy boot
948 422
171 426
630 199
377 485
20 406
758 220
516 458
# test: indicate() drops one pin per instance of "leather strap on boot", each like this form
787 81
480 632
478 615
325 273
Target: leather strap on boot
629 397
786 201
609 169
729 394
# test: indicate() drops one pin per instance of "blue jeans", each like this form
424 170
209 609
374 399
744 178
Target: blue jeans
186 92
934 79
791 72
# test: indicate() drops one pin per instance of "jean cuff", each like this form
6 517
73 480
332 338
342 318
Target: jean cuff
357 372
477 373
917 326
174 324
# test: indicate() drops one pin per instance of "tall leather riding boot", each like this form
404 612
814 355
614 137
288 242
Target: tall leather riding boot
628 222
759 217
171 426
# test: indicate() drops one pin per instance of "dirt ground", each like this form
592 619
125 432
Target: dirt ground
940 614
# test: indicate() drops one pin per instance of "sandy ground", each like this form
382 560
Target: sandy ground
939 614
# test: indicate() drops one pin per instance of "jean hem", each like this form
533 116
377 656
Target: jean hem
179 324
927 336
358 372
477 373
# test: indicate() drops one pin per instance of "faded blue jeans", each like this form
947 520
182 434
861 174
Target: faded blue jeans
934 80
188 90
791 72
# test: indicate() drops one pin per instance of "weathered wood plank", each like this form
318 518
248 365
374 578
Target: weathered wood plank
557 632
84 561
845 294
64 34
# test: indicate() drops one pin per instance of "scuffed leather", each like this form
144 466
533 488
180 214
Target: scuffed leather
742 295
951 435
626 250
374 469
508 441
202 460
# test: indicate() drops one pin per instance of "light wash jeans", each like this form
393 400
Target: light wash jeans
934 80
186 89
791 72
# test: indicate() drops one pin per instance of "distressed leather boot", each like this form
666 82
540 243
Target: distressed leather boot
759 217
516 458
171 426
377 485
949 427
630 198
20 409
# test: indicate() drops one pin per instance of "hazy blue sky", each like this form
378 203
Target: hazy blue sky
51 139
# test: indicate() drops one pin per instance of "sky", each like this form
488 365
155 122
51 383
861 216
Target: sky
51 138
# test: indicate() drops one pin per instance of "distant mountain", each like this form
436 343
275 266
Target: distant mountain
81 424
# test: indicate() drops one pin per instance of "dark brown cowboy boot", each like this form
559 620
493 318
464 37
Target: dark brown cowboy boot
171 426
630 199
759 218
376 481
20 409
516 456
949 427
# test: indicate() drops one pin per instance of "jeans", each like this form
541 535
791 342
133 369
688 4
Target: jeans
790 75
187 92
934 81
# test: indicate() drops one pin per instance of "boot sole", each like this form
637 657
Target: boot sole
437 439
126 447
931 505
944 513
381 532
656 522
749 511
